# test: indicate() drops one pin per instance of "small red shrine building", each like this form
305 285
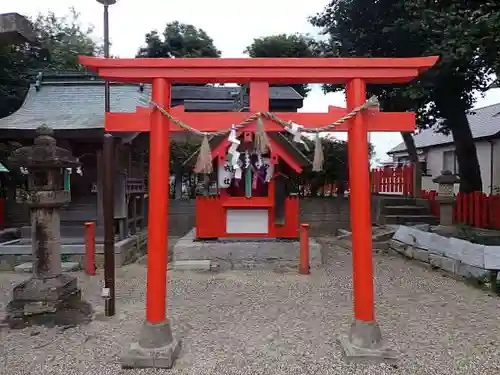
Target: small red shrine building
260 201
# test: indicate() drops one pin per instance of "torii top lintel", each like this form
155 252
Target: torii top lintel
271 70
259 73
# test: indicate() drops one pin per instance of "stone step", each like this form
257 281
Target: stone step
409 219
66 267
402 201
406 210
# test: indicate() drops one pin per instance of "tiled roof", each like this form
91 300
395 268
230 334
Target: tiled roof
484 122
69 103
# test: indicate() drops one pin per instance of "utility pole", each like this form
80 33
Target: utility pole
108 196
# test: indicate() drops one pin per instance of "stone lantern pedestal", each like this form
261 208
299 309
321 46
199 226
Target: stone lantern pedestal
49 296
446 196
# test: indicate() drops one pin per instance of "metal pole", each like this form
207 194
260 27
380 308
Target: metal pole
106 55
108 194
109 225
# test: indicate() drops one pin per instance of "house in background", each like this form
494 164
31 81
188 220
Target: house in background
436 151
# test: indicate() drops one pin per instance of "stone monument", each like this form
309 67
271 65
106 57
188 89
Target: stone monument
446 196
49 296
15 29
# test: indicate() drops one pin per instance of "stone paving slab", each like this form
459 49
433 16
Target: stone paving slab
264 322
66 267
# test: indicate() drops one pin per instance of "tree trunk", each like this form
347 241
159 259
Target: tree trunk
413 156
178 183
465 148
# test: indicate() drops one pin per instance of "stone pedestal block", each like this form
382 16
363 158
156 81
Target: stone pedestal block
157 347
365 343
246 253
55 301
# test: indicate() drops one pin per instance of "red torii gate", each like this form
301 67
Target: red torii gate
355 73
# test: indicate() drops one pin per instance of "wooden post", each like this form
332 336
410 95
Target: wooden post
133 203
159 171
108 198
90 268
360 202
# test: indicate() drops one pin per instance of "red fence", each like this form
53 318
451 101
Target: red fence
395 180
477 209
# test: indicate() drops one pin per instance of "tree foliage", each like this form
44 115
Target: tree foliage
441 97
60 40
284 45
334 150
179 40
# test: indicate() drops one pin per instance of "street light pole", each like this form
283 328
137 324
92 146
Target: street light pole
108 188
106 51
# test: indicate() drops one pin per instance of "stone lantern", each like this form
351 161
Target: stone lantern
446 196
15 29
48 293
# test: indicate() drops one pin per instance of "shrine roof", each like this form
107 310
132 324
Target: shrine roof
75 101
279 138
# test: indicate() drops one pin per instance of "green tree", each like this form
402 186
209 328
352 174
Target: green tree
60 40
284 45
179 40
443 96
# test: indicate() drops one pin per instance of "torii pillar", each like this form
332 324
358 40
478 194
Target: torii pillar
156 346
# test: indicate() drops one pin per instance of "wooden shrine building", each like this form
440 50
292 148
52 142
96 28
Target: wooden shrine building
72 103
257 199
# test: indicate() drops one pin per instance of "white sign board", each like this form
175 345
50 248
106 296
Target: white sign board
247 221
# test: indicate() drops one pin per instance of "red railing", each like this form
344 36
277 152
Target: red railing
476 209
395 180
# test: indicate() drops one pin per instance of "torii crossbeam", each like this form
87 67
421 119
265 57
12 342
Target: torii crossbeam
355 73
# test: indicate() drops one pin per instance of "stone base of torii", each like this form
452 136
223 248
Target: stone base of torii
157 347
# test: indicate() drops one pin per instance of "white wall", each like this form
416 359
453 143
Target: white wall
496 166
434 157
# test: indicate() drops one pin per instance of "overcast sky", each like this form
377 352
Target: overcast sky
232 24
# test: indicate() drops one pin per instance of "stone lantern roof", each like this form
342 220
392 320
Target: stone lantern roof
44 153
15 29
446 178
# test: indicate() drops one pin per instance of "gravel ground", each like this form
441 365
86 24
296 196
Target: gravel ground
264 322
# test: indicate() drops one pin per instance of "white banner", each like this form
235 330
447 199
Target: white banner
225 174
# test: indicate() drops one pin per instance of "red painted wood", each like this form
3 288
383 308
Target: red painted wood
304 268
212 121
476 209
271 70
159 173
393 180
211 217
360 202
354 72
90 268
